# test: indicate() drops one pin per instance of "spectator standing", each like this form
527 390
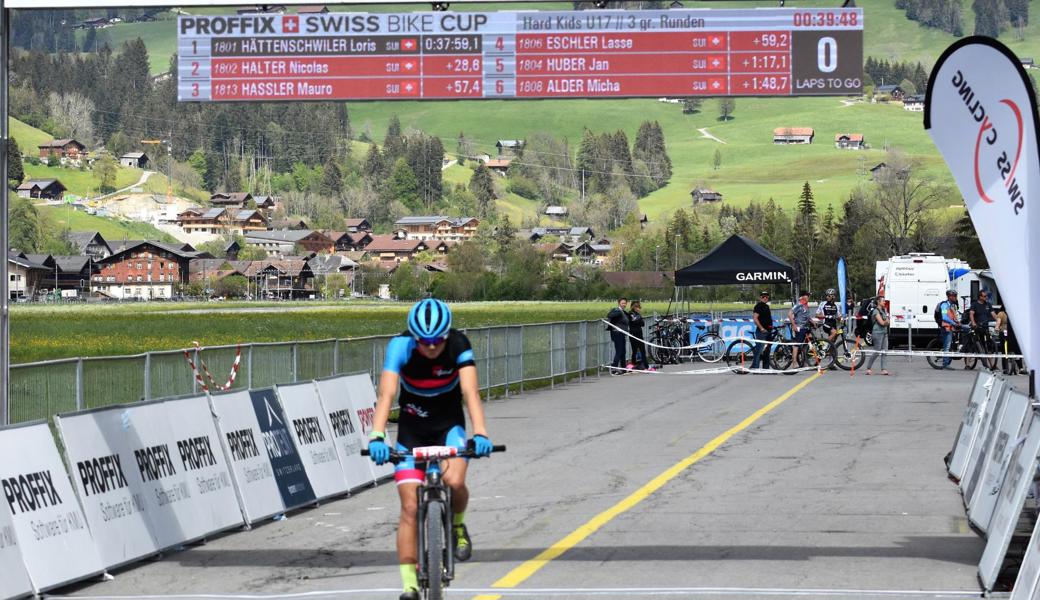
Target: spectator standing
618 334
980 315
880 319
950 324
1008 343
763 318
635 327
799 316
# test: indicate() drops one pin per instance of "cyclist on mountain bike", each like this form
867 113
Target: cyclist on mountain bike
434 368
829 312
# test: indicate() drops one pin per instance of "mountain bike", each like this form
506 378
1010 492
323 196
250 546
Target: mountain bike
741 352
966 341
815 351
436 566
845 352
669 339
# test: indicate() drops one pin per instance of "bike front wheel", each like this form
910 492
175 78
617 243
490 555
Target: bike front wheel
739 354
820 355
971 347
848 356
436 546
935 345
713 350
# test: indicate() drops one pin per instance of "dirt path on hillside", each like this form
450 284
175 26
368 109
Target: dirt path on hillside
705 134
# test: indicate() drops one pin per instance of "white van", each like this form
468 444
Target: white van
914 284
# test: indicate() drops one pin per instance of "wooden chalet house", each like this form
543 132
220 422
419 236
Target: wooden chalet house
283 242
891 91
63 148
456 229
230 199
25 276
89 243
849 141
222 221
344 241
357 225
142 270
43 189
388 249
288 279
793 135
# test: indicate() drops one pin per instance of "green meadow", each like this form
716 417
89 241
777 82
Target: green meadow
63 331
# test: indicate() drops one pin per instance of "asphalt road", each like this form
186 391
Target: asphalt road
836 491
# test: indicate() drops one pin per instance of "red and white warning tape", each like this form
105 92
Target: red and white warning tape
212 383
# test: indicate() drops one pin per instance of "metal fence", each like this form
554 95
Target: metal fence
507 358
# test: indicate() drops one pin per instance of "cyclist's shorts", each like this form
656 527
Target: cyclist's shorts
406 471
801 334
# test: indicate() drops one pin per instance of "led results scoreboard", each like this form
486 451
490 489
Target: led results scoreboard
523 54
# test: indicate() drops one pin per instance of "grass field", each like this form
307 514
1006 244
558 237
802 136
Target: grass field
80 183
28 137
51 332
111 229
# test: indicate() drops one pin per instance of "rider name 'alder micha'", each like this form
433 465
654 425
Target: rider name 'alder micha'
432 366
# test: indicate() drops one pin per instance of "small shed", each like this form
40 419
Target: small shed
705 195
137 160
509 147
46 189
556 211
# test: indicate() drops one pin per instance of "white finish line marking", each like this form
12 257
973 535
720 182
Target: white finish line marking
572 593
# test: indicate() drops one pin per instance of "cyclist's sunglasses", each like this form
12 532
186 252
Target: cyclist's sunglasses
425 341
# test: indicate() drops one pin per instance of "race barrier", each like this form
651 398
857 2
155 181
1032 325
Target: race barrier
311 432
53 539
15 582
344 402
994 461
150 475
250 455
158 474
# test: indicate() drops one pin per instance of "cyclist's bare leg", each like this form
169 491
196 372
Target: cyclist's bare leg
455 478
407 529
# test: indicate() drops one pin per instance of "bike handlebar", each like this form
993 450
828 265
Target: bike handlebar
396 456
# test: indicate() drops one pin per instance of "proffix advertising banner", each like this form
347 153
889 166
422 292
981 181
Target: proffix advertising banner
363 398
289 473
310 430
980 111
150 475
15 582
248 452
55 543
346 429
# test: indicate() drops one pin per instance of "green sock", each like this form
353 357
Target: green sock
408 577
458 518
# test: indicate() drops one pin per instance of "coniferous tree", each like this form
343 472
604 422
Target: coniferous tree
374 167
15 170
331 179
482 186
402 185
393 142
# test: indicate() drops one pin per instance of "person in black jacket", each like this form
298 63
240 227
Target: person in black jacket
619 319
635 327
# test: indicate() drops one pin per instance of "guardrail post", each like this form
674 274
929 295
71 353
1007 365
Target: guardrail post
583 333
552 365
195 380
373 371
79 384
147 375
487 358
506 355
249 366
523 376
335 356
295 355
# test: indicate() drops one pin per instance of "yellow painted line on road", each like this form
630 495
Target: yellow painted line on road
529 568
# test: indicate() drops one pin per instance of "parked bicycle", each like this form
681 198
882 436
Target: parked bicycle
669 338
847 355
966 341
436 566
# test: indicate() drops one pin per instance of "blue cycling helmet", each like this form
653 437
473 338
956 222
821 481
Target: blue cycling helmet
429 320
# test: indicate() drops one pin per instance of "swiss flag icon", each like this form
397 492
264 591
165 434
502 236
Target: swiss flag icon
290 24
409 88
408 44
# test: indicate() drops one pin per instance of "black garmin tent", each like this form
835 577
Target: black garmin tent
735 261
